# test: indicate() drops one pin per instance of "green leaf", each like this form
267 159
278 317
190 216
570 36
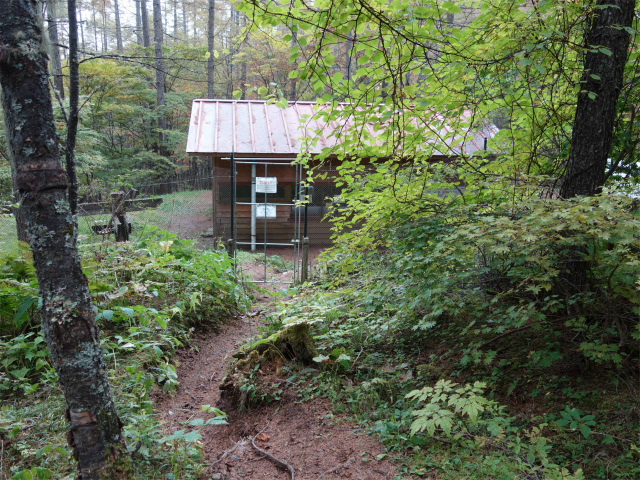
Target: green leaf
20 373
20 317
196 422
106 314
216 421
192 436
585 430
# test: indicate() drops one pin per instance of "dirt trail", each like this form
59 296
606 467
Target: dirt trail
305 435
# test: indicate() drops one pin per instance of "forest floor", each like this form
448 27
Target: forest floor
305 435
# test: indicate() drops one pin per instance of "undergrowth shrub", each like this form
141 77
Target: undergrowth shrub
149 296
517 371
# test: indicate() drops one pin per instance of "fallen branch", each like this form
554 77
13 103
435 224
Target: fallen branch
336 468
281 463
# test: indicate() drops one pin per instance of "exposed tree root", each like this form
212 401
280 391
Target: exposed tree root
336 468
224 455
280 463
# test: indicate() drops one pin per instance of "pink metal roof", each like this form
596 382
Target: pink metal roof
255 128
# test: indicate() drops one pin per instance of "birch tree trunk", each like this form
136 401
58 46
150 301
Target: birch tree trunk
67 313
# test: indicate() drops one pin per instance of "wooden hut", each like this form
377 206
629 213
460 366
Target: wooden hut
265 140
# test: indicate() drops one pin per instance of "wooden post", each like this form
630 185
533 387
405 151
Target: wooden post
118 211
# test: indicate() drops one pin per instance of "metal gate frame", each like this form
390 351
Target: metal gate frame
297 231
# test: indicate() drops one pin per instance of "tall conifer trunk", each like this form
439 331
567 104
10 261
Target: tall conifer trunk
67 312
138 24
210 38
52 20
160 76
118 28
146 41
184 19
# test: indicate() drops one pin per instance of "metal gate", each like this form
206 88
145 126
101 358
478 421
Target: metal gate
264 213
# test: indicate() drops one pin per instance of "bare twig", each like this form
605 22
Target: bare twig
336 468
281 463
224 455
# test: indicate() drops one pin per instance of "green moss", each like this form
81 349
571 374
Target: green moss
293 342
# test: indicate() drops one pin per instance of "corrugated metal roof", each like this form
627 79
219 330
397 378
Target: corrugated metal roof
255 128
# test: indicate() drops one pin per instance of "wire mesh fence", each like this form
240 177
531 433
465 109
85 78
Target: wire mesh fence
183 207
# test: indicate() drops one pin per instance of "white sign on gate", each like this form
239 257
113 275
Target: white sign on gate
266 184
266 211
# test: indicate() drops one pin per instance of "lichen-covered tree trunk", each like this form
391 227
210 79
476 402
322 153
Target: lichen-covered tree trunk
608 43
67 314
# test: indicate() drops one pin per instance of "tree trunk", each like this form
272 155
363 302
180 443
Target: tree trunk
347 57
294 81
81 30
105 42
210 38
52 20
72 123
118 29
138 24
157 36
95 24
595 115
184 19
67 313
175 20
146 42
604 63
243 65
